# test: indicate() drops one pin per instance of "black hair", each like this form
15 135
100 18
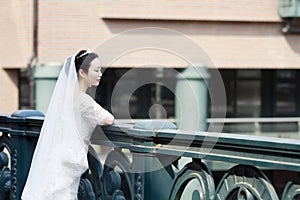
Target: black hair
83 60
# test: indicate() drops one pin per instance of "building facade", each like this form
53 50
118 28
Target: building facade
257 61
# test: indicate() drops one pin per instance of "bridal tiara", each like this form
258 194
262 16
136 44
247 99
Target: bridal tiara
85 53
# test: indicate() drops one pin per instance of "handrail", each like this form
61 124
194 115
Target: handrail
236 148
253 120
257 122
227 120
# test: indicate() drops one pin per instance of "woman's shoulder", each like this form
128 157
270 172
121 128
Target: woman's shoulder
85 96
86 99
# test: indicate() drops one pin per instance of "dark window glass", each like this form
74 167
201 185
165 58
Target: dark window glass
24 90
285 93
152 100
228 79
248 98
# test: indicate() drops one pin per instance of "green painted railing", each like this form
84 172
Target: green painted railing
144 162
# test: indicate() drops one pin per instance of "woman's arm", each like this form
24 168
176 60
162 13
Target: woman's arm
103 116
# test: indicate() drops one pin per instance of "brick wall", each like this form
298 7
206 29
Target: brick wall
68 26
211 10
9 93
16 22
235 34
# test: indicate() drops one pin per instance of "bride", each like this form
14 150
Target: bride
60 156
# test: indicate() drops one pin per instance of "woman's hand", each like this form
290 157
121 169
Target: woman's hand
109 120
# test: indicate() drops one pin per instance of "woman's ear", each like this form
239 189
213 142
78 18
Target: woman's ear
81 73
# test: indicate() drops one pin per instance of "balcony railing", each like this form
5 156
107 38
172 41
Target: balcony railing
283 127
144 162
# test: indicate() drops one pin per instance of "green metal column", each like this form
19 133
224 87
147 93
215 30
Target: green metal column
191 99
45 76
289 9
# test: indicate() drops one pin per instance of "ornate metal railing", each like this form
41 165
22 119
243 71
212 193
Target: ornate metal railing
144 162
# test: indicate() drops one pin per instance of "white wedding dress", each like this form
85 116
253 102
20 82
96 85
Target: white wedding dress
60 156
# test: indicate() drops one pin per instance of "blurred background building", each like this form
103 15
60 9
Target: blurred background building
255 50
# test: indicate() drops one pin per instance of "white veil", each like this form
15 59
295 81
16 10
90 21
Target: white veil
60 133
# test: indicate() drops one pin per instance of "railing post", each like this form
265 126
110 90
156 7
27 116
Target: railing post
23 140
153 173
152 179
257 128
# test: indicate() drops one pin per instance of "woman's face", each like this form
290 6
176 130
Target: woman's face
94 73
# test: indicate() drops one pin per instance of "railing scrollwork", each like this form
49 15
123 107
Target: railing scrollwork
117 178
194 171
245 182
291 191
5 176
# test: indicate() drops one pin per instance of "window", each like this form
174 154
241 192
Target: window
24 90
143 97
242 92
248 93
285 93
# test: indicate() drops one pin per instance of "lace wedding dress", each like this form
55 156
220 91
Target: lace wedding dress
60 156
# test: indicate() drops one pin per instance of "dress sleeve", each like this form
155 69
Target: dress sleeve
92 112
100 113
